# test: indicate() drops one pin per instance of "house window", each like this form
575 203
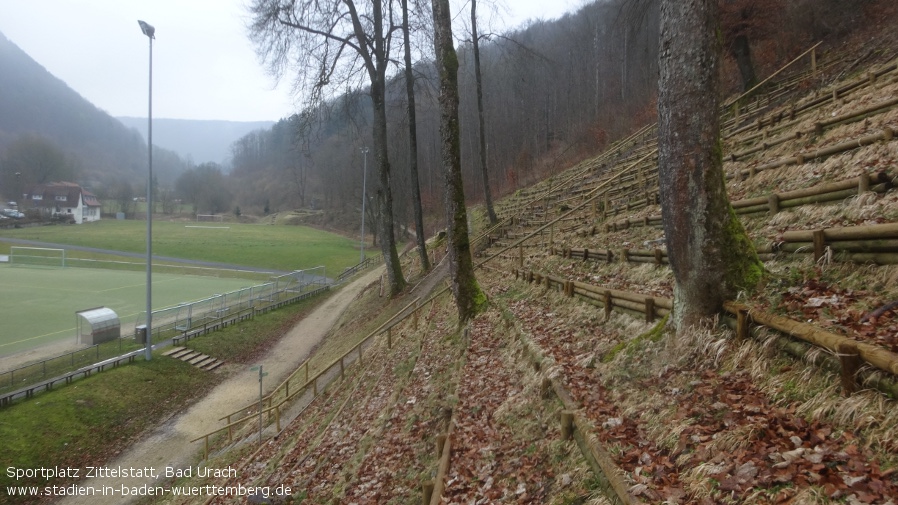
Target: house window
60 198
37 197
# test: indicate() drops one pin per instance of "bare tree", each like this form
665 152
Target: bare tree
413 140
329 44
478 77
469 299
710 254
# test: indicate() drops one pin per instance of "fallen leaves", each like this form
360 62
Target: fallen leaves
736 439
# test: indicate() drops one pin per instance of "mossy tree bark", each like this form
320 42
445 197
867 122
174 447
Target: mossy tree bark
469 299
709 252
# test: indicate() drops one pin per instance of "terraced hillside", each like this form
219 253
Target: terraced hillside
566 390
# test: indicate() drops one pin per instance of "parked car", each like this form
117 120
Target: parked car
12 213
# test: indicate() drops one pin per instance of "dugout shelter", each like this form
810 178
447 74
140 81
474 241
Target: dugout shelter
97 325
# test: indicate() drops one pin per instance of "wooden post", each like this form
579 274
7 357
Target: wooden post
851 363
277 417
520 255
863 183
567 424
607 302
426 492
742 329
659 257
342 376
773 203
389 339
546 388
415 319
819 244
649 309
315 388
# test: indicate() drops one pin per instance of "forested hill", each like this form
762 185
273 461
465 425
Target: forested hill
196 140
34 103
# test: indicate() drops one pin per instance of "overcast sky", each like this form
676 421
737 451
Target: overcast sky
204 66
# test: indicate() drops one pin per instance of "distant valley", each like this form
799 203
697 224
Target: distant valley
198 141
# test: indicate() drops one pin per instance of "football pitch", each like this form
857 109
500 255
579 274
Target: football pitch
38 304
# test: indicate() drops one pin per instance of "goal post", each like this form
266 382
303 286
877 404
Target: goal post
37 256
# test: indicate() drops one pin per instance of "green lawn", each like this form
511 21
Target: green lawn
38 304
277 247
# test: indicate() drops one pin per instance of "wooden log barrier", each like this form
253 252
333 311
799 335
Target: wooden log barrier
880 358
567 424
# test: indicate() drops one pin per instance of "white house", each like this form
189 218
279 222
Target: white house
64 199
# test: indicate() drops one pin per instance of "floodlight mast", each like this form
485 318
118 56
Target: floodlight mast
150 32
364 189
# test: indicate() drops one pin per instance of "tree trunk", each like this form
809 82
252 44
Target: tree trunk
709 252
742 53
469 299
478 78
384 192
413 142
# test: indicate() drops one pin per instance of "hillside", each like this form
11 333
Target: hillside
33 101
565 390
196 140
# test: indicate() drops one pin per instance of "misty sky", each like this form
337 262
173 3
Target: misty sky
204 66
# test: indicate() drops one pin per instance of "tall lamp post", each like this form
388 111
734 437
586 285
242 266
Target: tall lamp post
150 32
364 188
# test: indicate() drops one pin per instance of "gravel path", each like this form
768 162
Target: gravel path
169 445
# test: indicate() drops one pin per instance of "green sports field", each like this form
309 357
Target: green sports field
38 304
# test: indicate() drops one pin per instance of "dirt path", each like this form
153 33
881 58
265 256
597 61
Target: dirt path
169 445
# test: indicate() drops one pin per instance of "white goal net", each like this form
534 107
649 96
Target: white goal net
37 256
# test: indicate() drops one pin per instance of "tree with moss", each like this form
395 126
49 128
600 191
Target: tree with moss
709 252
469 299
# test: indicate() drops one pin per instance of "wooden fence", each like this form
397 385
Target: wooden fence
273 404
852 354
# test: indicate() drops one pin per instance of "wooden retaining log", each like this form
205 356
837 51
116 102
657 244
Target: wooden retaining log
869 232
801 158
621 296
877 356
851 246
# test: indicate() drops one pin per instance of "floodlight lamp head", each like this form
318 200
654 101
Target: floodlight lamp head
147 29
